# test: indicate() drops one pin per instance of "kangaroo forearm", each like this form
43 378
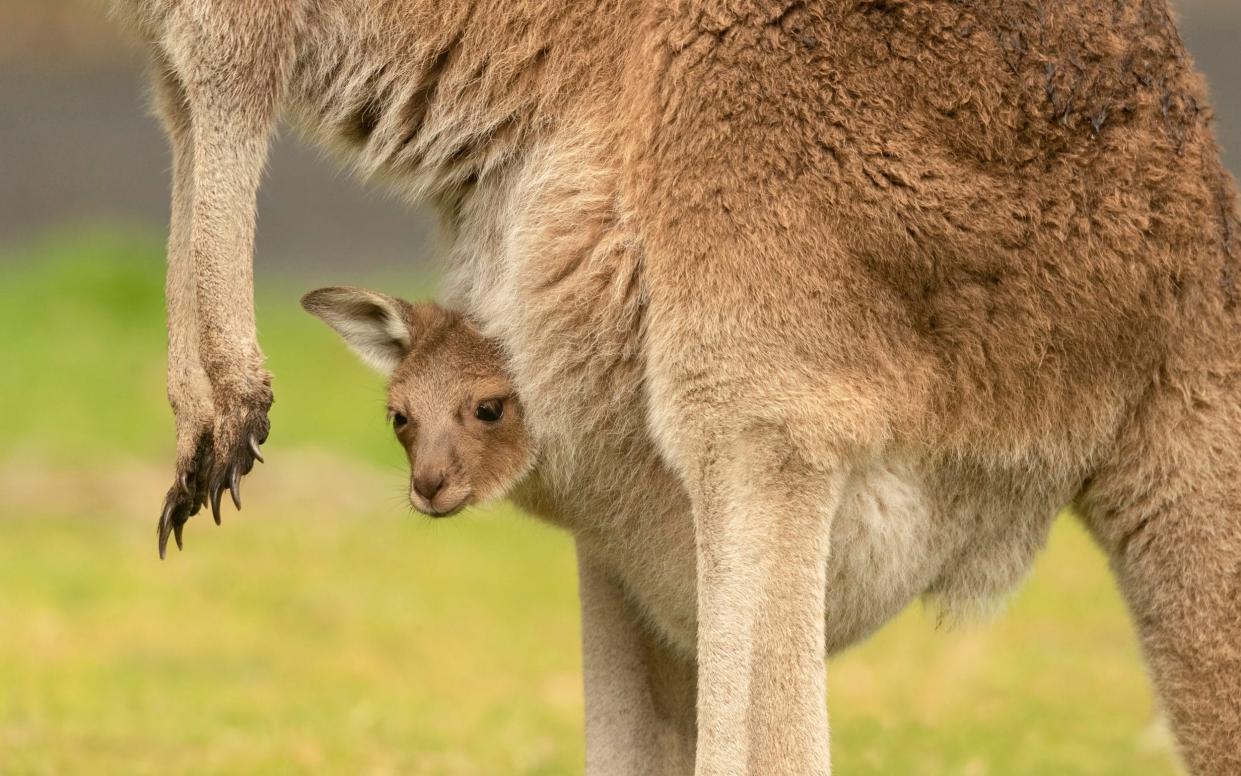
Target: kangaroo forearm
228 169
233 68
189 392
223 73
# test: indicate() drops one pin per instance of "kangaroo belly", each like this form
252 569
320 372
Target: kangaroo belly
901 531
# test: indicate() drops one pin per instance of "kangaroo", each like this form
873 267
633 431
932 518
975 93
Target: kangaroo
965 263
454 409
451 403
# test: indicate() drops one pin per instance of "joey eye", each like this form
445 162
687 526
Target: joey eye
489 411
399 421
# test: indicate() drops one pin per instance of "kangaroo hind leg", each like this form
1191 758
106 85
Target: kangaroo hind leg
1167 509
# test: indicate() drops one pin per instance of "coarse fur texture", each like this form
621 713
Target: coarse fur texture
872 287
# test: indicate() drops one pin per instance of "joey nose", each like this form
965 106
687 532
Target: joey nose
429 485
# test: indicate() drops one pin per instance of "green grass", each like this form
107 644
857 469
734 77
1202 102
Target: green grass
325 630
82 318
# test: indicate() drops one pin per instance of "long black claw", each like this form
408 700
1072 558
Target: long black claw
185 482
234 486
216 493
164 528
254 450
177 530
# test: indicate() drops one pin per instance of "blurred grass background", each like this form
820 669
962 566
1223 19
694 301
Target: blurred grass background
325 629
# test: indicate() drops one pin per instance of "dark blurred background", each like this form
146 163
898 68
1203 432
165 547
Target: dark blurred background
78 144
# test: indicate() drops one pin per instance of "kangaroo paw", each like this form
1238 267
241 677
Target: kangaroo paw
188 493
238 437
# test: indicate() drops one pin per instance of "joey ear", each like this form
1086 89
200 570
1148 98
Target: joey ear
373 325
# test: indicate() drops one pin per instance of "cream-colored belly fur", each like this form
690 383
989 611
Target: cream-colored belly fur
892 540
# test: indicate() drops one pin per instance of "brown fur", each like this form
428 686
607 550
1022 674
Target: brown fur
875 287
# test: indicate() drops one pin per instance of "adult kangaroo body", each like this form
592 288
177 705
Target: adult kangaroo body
874 287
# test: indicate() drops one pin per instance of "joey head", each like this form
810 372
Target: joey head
450 402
